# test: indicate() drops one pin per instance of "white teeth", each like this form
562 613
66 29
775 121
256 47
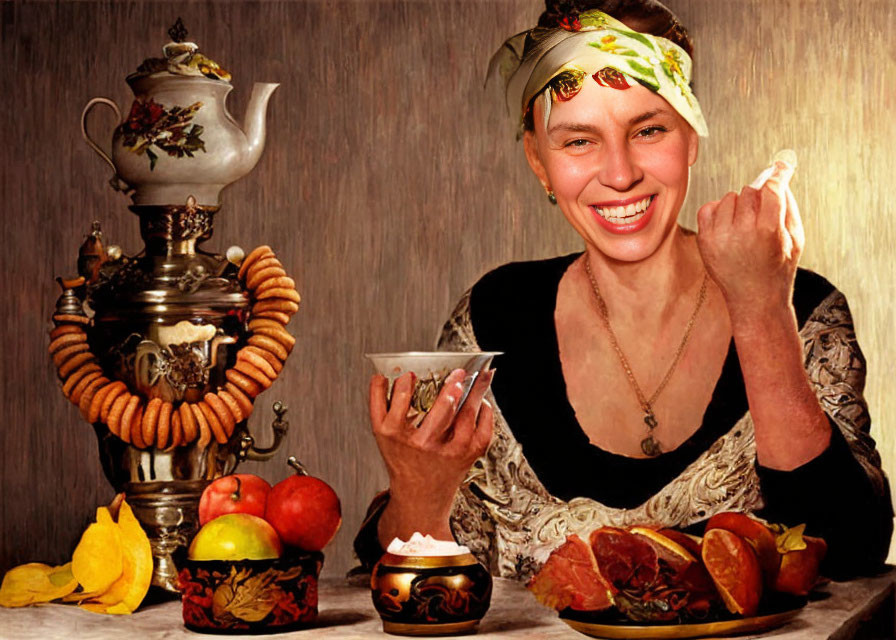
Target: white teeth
629 220
627 214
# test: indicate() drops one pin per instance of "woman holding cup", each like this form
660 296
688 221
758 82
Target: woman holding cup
660 376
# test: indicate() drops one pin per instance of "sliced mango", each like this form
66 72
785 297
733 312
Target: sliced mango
97 561
36 582
127 592
112 563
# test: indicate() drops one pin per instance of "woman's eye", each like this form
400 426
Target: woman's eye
650 132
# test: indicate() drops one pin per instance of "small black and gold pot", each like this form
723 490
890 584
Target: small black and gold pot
251 596
430 595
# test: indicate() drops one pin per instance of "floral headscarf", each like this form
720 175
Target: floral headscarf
597 45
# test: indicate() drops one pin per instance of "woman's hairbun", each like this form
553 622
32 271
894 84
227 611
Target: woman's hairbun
646 16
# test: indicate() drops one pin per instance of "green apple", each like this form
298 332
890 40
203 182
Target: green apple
236 536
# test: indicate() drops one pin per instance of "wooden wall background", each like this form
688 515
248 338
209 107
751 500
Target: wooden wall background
390 182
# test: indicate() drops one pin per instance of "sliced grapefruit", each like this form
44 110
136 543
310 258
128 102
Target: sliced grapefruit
570 578
734 568
626 561
757 534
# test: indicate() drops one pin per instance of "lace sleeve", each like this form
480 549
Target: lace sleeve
842 495
457 334
470 521
836 368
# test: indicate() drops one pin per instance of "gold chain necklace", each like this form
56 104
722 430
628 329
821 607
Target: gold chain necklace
649 445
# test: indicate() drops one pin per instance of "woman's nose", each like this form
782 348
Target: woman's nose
619 169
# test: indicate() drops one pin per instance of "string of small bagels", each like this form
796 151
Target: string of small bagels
159 423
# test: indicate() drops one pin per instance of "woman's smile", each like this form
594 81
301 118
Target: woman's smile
625 216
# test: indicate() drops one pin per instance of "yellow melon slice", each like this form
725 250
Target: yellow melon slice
128 591
36 582
97 561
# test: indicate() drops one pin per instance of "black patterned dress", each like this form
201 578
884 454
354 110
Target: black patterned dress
541 479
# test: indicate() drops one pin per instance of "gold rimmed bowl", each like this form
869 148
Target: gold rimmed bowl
430 595
431 368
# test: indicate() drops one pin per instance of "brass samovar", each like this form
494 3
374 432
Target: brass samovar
166 351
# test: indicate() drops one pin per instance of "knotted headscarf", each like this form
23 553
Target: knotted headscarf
597 45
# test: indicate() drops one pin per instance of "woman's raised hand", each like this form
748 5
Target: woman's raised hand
751 243
427 464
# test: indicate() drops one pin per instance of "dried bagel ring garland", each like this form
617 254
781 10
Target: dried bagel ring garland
159 423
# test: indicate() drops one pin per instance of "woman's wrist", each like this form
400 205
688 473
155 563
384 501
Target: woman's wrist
409 512
761 320
790 427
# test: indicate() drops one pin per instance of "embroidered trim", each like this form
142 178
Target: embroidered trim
509 520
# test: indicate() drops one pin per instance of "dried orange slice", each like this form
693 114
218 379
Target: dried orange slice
757 534
732 564
665 542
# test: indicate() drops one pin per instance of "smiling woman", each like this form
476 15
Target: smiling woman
660 376
617 162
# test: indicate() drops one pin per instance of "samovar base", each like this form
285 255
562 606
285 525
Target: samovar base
169 514
163 489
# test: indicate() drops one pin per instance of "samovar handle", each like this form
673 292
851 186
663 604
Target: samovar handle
117 183
279 426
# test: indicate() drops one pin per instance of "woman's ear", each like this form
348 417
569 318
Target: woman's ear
693 146
530 144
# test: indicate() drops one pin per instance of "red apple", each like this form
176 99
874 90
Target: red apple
237 493
304 510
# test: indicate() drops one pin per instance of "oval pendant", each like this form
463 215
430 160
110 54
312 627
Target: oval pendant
651 447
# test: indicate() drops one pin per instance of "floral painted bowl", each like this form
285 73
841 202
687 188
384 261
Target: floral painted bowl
430 595
250 596
431 368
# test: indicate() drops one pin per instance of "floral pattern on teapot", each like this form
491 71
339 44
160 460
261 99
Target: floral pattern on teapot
173 131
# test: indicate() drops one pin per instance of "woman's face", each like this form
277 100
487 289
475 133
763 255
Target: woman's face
618 163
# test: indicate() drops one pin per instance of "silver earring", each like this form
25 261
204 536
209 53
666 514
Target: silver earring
552 198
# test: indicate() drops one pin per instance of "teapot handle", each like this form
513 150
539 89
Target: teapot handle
117 183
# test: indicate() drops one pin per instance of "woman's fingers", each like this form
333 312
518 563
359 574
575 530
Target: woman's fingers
443 411
747 208
773 214
723 217
457 433
471 407
376 400
466 423
402 392
706 216
794 223
485 424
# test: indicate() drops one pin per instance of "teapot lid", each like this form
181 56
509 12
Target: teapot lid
181 58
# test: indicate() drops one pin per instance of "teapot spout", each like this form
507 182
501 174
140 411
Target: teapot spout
254 125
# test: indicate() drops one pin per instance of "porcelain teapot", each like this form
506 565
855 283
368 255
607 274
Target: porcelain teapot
178 139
